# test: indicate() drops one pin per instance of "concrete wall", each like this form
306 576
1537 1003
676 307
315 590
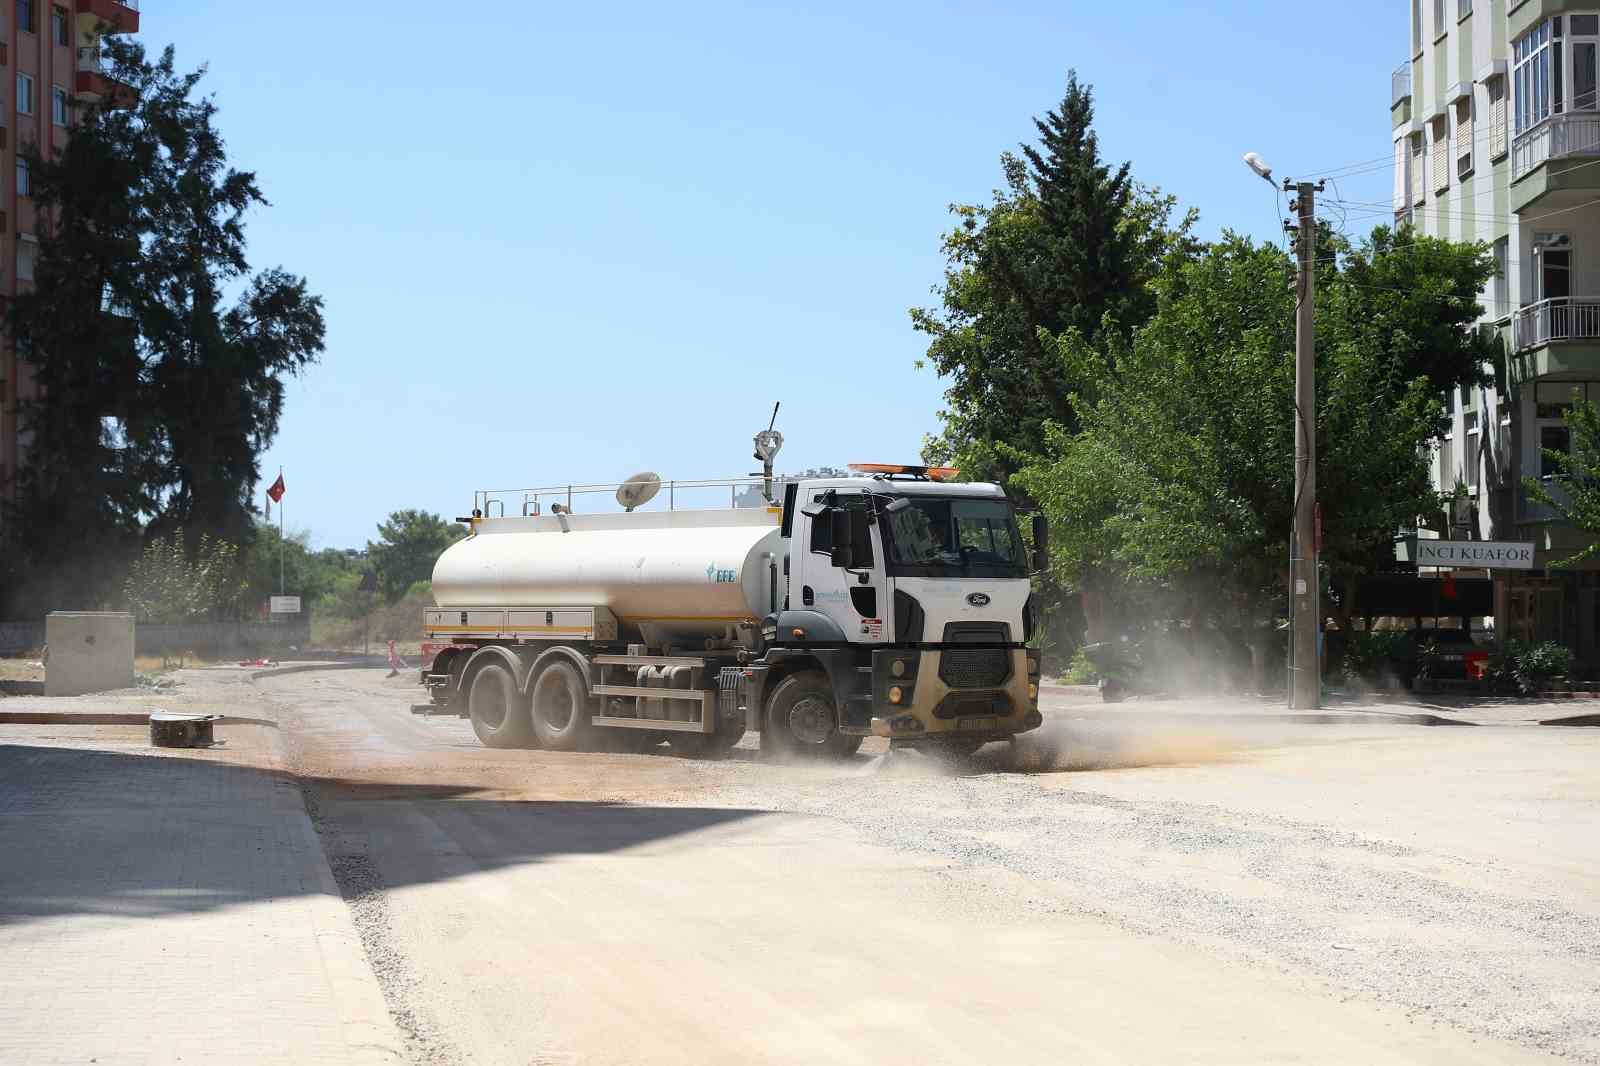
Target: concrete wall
90 651
205 638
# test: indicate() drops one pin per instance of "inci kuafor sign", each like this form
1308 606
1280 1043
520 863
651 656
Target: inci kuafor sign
1474 554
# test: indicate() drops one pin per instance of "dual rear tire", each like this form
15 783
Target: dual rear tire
557 716
801 719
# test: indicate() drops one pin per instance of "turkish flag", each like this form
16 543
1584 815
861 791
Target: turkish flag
276 491
1449 589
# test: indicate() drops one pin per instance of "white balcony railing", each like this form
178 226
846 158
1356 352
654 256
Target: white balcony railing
1400 83
1555 137
1566 318
89 59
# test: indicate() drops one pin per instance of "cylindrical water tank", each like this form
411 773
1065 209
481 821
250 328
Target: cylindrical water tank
685 573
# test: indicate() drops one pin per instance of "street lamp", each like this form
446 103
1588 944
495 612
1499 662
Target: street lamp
1305 679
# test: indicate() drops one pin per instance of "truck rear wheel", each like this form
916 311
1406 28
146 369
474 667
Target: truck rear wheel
800 720
561 708
498 716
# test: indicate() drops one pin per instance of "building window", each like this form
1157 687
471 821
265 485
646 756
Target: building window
27 16
1463 109
24 176
60 105
1418 181
1500 284
1441 153
1552 439
1438 19
24 94
1554 69
1472 454
26 252
60 26
1416 27
1555 271
1463 8
1497 116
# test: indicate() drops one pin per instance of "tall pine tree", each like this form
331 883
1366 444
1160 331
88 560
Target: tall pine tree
1068 244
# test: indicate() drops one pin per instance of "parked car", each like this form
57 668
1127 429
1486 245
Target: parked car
1455 655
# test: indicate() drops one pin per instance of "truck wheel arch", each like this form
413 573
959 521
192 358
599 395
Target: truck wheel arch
493 653
559 653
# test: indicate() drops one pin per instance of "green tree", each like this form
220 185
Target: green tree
1068 245
1182 473
1574 492
311 575
170 582
157 396
408 545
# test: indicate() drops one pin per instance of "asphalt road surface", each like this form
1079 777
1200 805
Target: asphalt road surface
1110 890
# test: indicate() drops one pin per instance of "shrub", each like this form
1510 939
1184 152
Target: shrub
1542 664
1372 656
1080 671
1527 669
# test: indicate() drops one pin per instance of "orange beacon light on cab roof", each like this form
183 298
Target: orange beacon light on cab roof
933 473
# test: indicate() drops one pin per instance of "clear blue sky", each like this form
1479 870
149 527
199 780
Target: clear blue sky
571 242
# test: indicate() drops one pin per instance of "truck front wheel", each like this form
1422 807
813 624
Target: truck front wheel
801 720
498 716
561 708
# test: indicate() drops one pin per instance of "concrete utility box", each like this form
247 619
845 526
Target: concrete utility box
90 651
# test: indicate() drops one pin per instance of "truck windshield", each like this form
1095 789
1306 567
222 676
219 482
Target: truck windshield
954 537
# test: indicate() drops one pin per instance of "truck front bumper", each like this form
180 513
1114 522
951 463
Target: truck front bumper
913 698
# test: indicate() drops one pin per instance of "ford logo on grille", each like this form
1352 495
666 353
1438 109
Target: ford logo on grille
979 599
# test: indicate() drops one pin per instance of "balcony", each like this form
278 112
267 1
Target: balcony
1558 137
1568 318
1400 108
95 82
122 15
1557 336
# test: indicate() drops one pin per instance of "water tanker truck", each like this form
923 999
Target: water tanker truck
891 603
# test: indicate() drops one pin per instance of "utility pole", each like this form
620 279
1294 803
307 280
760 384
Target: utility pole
1305 684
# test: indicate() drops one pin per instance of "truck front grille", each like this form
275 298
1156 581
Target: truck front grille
974 667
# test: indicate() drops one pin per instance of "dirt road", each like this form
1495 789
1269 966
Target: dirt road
1112 892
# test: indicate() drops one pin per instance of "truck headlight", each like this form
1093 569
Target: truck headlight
895 694
898 668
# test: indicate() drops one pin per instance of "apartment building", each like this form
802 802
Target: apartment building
1496 125
49 56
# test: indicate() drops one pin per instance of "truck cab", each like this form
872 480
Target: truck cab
912 595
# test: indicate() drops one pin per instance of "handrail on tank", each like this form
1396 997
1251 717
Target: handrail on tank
534 500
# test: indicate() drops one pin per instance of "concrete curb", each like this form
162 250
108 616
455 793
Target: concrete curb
1574 720
73 718
371 1036
305 668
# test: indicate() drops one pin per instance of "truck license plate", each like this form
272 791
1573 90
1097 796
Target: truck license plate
977 725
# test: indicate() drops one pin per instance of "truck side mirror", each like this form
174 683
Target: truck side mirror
842 552
1041 543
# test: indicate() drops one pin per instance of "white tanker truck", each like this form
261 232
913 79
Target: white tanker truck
895 603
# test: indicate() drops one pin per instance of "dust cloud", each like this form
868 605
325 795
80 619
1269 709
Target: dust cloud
1088 746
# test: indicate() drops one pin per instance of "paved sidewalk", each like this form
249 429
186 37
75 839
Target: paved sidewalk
171 908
